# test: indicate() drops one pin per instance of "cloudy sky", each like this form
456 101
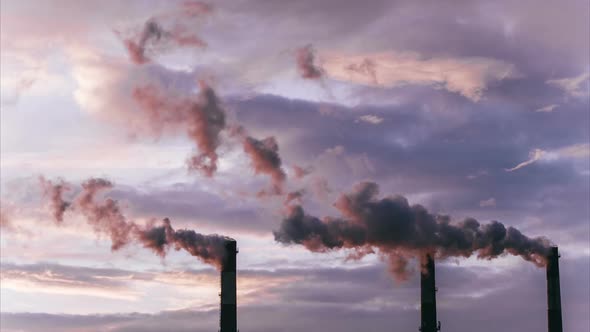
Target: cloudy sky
229 117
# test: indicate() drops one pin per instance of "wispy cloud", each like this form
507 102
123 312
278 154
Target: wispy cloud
370 118
57 279
572 152
534 156
547 109
468 76
491 202
577 86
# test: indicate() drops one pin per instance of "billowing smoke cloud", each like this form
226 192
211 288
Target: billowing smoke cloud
206 121
401 231
154 37
306 63
202 115
107 218
265 158
208 248
54 192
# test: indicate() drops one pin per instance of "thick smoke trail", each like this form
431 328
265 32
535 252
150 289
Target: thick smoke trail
154 36
107 218
55 191
400 231
203 117
306 63
206 121
208 248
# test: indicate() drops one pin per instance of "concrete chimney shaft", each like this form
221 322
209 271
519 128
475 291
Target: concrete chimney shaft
228 317
429 322
553 292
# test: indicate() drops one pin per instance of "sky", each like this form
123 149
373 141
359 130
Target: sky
292 127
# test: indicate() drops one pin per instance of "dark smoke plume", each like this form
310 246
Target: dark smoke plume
306 63
208 248
265 158
203 117
154 37
54 192
107 218
401 231
206 121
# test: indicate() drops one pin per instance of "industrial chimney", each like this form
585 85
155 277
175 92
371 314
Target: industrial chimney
553 292
228 317
429 322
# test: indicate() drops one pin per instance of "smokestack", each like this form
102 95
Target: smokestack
228 318
553 292
428 290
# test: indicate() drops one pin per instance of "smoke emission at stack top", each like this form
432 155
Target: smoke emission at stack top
400 231
306 63
107 218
